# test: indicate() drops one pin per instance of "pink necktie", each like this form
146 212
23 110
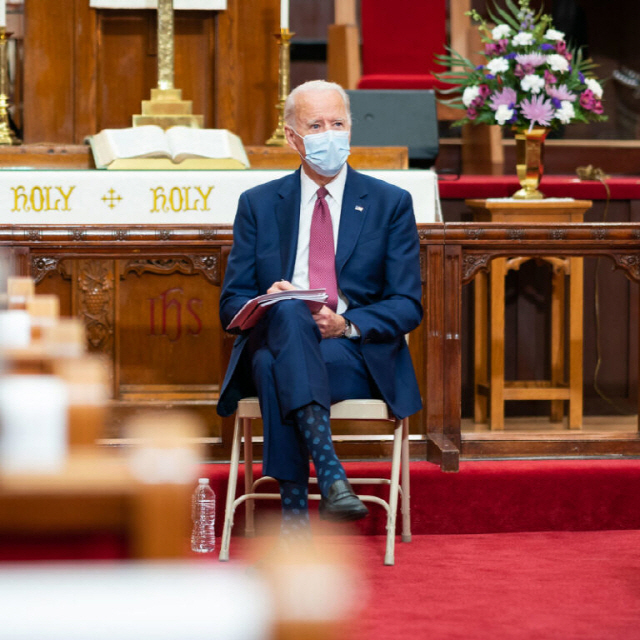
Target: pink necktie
322 257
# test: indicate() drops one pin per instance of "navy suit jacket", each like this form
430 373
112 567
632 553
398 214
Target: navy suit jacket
377 265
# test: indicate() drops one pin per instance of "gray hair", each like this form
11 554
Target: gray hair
313 85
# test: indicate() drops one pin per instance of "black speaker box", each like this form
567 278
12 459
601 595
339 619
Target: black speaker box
387 117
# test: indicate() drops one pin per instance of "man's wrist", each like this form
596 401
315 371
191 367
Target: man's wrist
346 332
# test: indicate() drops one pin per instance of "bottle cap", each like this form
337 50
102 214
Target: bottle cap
203 480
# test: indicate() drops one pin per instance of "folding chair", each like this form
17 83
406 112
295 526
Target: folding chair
249 410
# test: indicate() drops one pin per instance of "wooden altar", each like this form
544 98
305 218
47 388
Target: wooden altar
149 294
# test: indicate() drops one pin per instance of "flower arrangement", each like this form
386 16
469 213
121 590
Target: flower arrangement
530 78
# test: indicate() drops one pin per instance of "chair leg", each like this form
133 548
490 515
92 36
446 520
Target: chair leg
393 495
231 493
405 483
249 526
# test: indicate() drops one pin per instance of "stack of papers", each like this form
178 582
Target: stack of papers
253 310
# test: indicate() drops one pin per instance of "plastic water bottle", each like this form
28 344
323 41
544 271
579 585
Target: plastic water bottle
203 514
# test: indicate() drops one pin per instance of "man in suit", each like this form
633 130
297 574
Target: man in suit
325 225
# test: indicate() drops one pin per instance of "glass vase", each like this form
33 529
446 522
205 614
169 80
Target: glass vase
530 162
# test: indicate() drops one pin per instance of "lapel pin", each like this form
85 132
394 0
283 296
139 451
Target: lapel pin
359 208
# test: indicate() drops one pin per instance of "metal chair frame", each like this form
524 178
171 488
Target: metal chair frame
249 410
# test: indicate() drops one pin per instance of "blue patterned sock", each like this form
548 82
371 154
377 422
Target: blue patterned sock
295 510
313 422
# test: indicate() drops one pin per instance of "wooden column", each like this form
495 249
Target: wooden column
60 47
246 69
343 51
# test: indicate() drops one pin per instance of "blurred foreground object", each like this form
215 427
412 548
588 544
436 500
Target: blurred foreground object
159 601
19 288
316 587
104 490
33 419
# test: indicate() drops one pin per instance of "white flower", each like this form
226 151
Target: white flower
595 86
523 39
501 31
557 62
566 113
497 65
503 114
532 82
554 34
470 94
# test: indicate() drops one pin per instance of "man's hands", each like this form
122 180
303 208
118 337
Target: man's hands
331 325
281 285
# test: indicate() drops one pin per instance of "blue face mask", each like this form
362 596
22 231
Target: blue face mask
326 152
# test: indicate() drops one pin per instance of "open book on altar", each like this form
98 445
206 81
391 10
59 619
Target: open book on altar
151 147
253 310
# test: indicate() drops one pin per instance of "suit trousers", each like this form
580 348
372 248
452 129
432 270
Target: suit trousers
292 366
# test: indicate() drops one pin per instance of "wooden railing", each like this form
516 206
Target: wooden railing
451 255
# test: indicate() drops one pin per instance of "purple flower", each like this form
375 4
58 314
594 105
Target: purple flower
556 103
587 98
531 60
479 67
485 92
506 97
561 47
490 77
589 102
490 49
581 76
537 109
496 48
561 93
545 46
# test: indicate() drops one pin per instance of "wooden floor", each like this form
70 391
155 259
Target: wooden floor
534 427
536 436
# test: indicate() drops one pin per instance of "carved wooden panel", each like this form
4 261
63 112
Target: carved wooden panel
53 275
168 329
95 294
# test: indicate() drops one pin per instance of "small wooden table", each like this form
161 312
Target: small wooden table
490 383
97 491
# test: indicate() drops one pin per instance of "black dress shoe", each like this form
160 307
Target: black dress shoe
341 504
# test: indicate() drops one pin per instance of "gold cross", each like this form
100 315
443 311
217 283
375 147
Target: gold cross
112 200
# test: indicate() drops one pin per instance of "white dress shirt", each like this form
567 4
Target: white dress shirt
308 196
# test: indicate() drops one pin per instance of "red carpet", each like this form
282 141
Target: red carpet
511 586
525 550
498 496
484 497
501 550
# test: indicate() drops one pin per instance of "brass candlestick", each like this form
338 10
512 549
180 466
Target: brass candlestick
6 134
278 137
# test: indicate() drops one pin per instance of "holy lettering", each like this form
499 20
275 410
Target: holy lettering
41 198
180 199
